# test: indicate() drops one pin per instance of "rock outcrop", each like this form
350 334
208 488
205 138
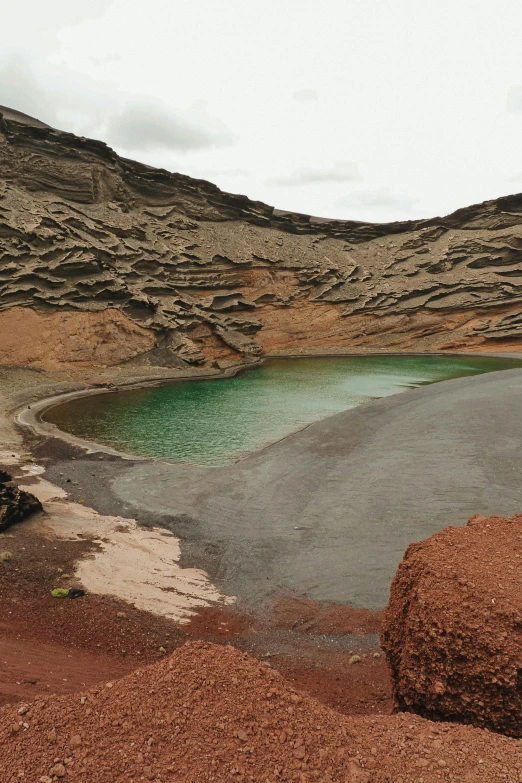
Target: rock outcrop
197 275
15 504
453 627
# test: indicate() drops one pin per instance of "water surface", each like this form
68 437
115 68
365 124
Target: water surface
215 422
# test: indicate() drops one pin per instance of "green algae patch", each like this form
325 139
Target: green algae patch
60 592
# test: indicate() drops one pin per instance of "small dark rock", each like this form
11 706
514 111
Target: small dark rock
76 592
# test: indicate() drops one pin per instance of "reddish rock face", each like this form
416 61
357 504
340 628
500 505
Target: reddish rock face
55 341
453 627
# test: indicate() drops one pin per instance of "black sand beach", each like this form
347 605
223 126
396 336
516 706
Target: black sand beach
329 511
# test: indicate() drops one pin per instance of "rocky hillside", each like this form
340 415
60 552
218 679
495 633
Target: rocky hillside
104 260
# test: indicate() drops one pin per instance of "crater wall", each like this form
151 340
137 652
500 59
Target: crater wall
211 276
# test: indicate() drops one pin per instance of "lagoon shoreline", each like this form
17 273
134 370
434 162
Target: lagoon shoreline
29 417
199 520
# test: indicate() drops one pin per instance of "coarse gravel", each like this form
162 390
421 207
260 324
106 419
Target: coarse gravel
212 713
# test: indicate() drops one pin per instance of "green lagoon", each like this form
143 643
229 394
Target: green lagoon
215 422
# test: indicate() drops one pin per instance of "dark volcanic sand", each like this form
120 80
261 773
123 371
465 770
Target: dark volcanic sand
329 511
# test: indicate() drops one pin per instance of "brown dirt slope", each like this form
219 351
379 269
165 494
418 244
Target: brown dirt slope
59 646
197 275
453 627
213 713
58 339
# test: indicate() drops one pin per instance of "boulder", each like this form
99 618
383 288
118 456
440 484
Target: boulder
452 630
15 504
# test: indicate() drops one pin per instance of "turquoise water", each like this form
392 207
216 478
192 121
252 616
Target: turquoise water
216 422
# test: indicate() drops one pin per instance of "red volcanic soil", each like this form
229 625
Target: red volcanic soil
319 666
315 618
201 711
50 645
213 713
453 626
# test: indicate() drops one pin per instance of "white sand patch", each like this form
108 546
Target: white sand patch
44 490
139 565
33 470
30 468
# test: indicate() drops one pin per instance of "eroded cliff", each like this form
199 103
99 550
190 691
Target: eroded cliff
118 261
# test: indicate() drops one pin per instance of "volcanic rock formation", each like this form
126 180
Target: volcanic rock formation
15 504
453 627
118 261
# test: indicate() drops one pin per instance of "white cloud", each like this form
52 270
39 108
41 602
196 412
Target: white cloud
375 204
305 95
20 90
75 13
112 57
340 172
377 197
231 172
142 126
514 98
133 124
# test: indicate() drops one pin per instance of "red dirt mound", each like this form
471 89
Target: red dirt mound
453 627
211 713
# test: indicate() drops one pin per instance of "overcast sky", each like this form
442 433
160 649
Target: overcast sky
358 109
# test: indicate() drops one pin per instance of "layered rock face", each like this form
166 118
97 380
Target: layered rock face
453 627
170 270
